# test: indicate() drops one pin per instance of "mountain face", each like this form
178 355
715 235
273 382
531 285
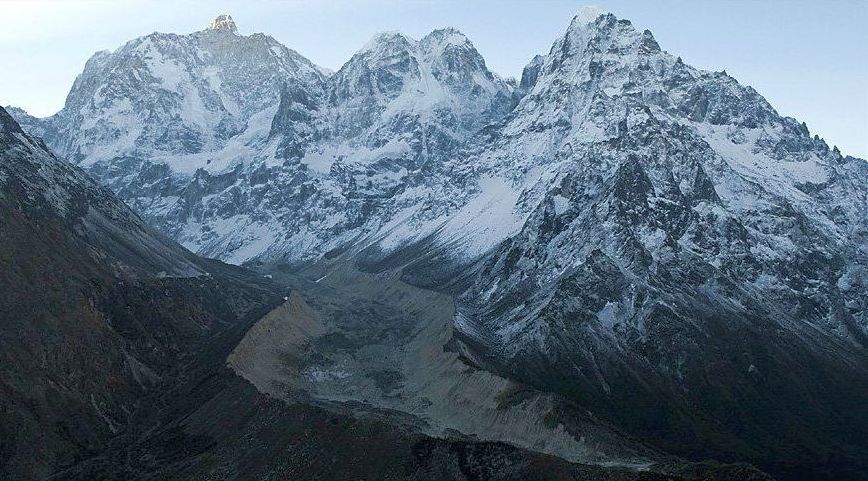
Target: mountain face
220 140
686 252
152 119
434 92
649 241
113 351
165 96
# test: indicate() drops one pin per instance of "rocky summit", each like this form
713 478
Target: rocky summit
618 265
223 22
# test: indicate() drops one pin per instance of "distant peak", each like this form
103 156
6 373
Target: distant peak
588 14
448 32
8 124
446 37
223 23
386 40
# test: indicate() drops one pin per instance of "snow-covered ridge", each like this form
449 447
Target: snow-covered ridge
224 153
165 116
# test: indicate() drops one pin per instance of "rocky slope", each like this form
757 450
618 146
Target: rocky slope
98 310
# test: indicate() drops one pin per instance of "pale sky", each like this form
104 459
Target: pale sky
808 58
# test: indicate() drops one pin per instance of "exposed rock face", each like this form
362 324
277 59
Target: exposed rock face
223 23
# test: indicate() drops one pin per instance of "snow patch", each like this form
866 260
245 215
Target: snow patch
484 222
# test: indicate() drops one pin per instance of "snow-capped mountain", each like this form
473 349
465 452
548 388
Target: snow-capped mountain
397 86
685 250
665 160
164 97
152 117
376 147
222 140
652 240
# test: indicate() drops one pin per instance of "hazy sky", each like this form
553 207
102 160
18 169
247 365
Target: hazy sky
808 58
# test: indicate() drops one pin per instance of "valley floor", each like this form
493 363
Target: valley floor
356 376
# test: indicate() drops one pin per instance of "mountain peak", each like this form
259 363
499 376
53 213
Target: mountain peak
451 34
588 14
388 41
585 21
7 123
223 23
446 37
